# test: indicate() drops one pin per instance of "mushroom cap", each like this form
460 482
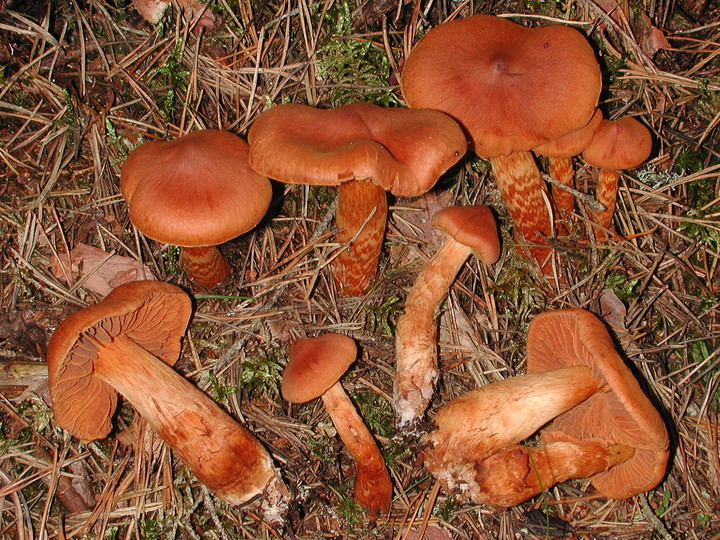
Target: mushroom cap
315 364
618 414
619 144
151 313
194 191
404 151
573 143
472 226
511 87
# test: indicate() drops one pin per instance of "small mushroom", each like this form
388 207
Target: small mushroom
467 230
196 191
314 368
604 427
560 153
512 88
616 144
366 150
127 343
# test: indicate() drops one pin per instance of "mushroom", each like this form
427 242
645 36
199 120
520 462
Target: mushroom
512 88
314 368
196 191
616 144
366 150
560 153
467 230
604 427
127 343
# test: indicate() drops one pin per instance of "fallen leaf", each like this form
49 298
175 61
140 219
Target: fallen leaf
612 310
649 37
104 271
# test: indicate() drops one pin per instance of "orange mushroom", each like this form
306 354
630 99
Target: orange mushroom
512 88
366 150
314 368
196 191
467 230
616 144
127 343
604 427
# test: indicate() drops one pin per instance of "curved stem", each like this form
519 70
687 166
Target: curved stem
416 339
515 474
373 487
521 186
221 453
361 218
206 265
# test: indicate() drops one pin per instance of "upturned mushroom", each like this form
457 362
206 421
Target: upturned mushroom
616 144
127 344
512 88
366 150
196 191
604 428
314 368
467 230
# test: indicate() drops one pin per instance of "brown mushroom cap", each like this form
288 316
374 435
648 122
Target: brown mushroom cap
512 88
621 414
619 144
472 226
197 190
404 151
573 143
314 365
153 314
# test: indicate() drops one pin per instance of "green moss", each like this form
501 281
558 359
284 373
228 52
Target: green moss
623 286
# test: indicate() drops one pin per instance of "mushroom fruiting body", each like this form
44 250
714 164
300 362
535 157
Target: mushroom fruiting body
512 88
616 144
314 368
467 230
604 427
126 344
196 191
371 149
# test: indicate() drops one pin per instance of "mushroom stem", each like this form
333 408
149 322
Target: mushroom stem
373 487
220 452
205 265
562 170
515 474
491 417
522 187
606 194
361 217
416 368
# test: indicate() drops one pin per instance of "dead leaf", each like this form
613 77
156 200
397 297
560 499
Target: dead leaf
104 271
649 37
613 311
432 532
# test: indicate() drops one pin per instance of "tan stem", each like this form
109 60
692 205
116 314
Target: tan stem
416 368
515 474
373 487
355 268
522 187
205 265
221 453
491 417
562 170
607 187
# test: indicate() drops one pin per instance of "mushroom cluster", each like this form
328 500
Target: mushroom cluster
505 91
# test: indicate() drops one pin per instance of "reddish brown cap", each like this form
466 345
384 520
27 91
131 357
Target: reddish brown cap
619 144
152 313
315 364
197 190
512 88
404 151
618 414
573 143
472 226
